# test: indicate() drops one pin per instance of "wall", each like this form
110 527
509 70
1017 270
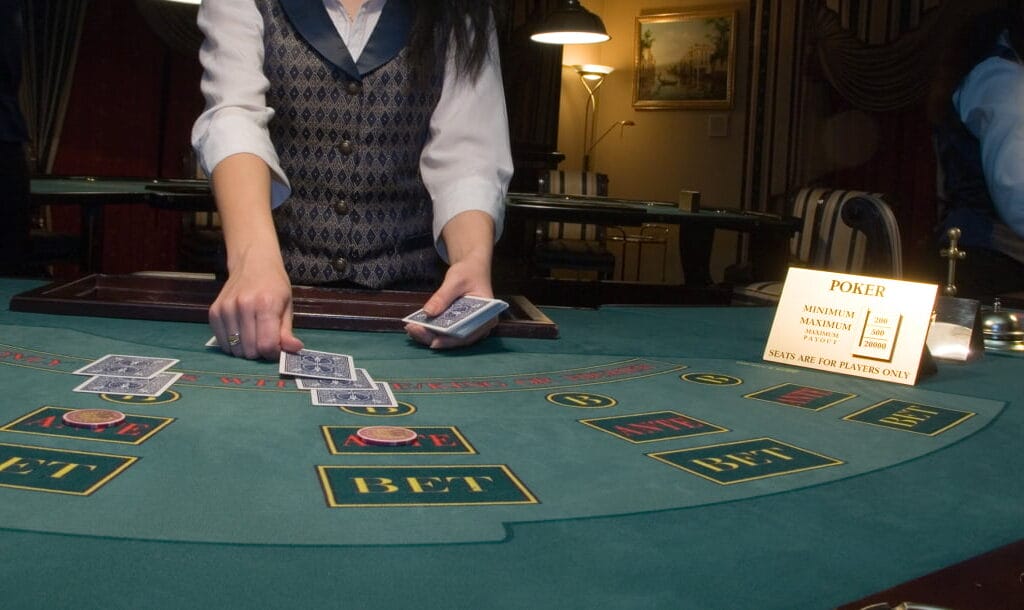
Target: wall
667 150
130 111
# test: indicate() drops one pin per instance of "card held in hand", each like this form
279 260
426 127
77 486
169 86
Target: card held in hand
462 318
320 365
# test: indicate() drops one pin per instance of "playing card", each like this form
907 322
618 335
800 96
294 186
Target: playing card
212 342
363 381
321 365
118 365
129 385
470 324
380 396
462 317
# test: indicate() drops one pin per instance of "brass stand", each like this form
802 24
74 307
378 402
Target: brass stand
956 331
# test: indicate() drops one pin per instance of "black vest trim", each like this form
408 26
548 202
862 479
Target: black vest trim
310 19
389 37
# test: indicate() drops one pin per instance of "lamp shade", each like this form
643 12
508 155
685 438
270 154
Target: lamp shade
570 23
592 71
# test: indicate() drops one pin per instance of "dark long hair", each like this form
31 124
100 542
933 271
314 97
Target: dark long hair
461 23
970 45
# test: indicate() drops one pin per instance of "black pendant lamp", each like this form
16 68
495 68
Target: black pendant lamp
570 23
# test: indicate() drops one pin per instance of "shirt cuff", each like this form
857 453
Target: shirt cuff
231 134
466 195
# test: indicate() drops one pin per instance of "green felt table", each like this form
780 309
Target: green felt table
648 458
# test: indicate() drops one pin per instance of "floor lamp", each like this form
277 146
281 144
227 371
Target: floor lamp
592 76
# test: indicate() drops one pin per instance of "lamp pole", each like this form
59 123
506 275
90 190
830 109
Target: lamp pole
620 124
589 118
592 76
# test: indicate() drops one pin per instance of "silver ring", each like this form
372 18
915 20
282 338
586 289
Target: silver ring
234 339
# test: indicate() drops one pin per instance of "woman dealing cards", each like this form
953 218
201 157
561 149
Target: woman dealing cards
350 143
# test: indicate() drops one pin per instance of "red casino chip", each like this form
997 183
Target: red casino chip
93 419
388 436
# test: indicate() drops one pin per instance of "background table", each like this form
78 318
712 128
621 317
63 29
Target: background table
768 235
224 506
92 195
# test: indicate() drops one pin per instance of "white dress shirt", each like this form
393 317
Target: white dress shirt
466 163
990 102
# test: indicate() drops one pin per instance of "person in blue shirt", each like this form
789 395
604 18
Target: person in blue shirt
977 109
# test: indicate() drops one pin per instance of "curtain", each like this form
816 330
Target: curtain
174 23
53 29
880 54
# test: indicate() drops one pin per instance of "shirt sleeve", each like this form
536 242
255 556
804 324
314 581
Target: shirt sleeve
466 163
989 104
236 115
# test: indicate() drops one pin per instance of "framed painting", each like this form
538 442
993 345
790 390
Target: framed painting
685 60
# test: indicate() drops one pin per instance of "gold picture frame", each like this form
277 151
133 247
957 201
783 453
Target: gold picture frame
685 60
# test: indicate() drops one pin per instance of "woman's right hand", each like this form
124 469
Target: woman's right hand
252 315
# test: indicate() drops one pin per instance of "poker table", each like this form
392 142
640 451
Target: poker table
646 458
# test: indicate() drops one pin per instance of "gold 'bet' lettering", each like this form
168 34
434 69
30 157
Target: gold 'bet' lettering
909 417
742 459
420 485
26 466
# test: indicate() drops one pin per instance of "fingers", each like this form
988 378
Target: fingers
223 322
420 334
460 280
247 327
440 300
434 340
253 327
289 342
267 335
447 342
236 329
438 341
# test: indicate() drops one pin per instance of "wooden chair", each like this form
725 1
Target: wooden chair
48 248
202 244
577 247
843 230
635 241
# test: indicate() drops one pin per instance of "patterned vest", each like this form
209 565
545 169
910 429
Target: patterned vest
350 146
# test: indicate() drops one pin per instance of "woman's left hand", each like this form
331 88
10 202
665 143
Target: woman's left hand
463 278
469 238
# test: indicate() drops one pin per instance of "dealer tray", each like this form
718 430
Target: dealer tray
181 298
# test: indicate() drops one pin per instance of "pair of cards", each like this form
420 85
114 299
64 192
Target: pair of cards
334 381
462 318
128 375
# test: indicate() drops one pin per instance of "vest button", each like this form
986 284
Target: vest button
341 207
340 265
345 147
353 87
